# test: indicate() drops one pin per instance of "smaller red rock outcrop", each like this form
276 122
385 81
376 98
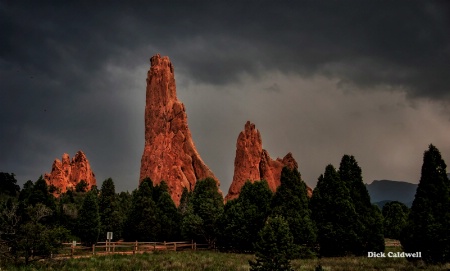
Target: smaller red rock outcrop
66 174
253 163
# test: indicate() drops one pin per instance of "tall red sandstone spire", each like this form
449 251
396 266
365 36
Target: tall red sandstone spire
169 152
67 174
253 163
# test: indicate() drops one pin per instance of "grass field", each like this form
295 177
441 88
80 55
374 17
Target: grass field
208 260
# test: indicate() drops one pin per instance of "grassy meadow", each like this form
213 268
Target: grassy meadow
215 261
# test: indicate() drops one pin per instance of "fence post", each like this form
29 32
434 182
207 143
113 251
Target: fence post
135 247
93 249
154 245
195 246
175 246
114 247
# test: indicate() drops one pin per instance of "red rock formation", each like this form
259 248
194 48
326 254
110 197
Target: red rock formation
253 163
67 174
169 152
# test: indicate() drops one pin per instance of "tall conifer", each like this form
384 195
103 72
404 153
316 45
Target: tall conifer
89 220
395 216
369 228
110 217
141 223
245 216
335 216
291 202
428 229
274 249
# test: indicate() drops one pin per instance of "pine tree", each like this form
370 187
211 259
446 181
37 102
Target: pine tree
245 216
203 213
141 222
110 217
274 247
395 216
428 229
369 228
89 220
26 192
291 202
335 215
168 218
184 201
37 193
8 184
232 228
81 187
40 194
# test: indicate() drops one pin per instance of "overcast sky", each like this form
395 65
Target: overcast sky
319 79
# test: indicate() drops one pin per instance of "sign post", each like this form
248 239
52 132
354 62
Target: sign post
72 249
109 237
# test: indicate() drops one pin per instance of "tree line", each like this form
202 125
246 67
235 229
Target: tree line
338 220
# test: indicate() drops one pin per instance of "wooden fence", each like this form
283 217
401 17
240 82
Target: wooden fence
120 247
76 249
392 243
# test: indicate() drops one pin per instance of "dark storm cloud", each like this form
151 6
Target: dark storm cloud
364 43
400 43
72 75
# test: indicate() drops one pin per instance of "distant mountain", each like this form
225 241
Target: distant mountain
381 204
383 191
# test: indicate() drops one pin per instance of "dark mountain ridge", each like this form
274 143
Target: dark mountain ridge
388 190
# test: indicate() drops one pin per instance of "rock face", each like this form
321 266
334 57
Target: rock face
169 152
66 174
253 163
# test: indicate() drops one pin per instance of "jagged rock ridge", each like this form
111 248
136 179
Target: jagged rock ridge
253 163
169 151
66 173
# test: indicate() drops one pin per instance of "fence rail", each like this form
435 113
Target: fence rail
392 243
76 249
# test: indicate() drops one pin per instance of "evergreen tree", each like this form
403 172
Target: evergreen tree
89 220
203 213
159 190
34 193
291 202
274 247
167 216
369 228
110 217
81 187
184 201
67 213
124 203
395 216
26 191
40 194
35 240
8 184
375 230
141 223
245 216
428 228
335 216
233 228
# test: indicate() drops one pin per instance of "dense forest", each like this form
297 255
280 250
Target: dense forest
338 220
